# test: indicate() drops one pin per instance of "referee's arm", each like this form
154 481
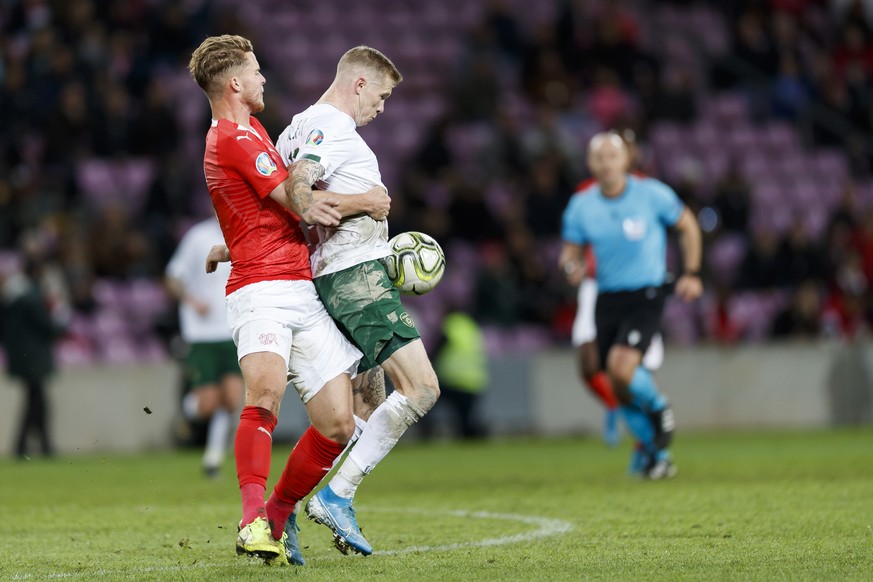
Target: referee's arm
689 286
572 263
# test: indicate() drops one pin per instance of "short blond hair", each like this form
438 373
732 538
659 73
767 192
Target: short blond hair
215 56
366 57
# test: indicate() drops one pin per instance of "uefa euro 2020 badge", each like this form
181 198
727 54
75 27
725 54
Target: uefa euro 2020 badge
315 137
265 164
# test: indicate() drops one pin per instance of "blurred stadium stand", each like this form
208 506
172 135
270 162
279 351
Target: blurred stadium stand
757 113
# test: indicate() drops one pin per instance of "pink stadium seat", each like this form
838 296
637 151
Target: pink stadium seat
756 165
816 218
679 322
10 261
71 352
832 164
110 295
727 109
152 350
147 297
743 139
529 339
806 194
780 138
705 135
725 255
120 351
715 163
666 135
789 165
494 343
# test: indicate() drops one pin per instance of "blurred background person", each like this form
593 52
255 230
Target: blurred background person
584 334
461 364
211 367
801 319
28 333
625 219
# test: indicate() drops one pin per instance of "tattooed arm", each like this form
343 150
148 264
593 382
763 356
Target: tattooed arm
295 193
305 173
374 202
368 389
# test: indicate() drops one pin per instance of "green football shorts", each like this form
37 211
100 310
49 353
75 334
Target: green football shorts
367 309
209 362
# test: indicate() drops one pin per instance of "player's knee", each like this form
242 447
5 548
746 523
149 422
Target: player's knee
430 390
208 401
232 397
621 387
339 430
423 395
268 397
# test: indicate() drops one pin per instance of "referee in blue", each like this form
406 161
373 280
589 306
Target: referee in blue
625 220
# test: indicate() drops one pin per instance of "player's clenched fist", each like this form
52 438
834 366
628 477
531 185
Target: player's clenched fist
322 212
380 202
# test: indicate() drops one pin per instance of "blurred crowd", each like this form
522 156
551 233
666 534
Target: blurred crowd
538 89
84 82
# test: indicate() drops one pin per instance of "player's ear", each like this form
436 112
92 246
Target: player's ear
360 83
234 83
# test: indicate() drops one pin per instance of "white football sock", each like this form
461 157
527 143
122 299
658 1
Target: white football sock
190 405
384 428
216 438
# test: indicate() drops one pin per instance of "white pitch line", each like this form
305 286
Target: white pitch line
546 528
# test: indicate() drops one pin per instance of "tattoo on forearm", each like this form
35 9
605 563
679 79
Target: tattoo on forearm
304 175
372 388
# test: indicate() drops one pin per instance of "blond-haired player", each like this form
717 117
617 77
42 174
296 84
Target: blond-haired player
276 319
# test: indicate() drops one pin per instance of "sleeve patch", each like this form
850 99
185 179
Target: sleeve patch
315 137
265 164
312 157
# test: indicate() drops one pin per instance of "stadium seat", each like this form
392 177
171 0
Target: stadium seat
73 352
725 255
727 109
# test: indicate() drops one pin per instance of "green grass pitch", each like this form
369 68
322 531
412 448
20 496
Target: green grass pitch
745 506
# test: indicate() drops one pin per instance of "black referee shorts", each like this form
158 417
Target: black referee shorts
628 318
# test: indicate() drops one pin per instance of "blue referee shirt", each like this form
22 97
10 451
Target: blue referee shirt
628 234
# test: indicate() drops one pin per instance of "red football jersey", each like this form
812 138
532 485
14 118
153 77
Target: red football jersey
242 167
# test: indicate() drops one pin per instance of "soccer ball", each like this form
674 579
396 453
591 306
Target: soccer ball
416 263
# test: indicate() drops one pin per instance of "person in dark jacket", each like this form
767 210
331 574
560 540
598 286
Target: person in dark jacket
28 334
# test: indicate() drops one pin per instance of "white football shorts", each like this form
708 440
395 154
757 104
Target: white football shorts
288 319
585 330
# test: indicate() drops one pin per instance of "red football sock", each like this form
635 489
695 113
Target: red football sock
602 387
308 463
252 447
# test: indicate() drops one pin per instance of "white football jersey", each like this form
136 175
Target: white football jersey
326 135
187 265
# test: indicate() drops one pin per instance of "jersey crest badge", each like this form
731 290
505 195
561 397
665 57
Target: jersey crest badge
265 164
315 137
634 228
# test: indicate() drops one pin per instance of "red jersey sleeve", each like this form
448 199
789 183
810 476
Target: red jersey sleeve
261 168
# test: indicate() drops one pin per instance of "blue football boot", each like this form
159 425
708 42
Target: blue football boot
337 513
291 543
640 461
